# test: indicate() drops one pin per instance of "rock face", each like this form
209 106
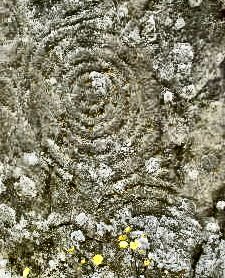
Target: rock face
112 138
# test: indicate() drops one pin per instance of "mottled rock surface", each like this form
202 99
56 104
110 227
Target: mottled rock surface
112 138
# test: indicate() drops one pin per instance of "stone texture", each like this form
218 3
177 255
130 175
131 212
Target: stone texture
112 116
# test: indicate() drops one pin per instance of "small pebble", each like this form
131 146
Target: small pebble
26 187
189 92
81 219
194 3
168 21
52 81
7 215
30 158
212 227
77 236
179 24
167 96
220 205
152 165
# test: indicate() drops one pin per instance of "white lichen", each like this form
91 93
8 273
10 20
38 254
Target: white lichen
52 264
26 187
167 96
144 243
54 219
123 10
183 69
168 21
179 24
3 262
119 186
104 171
212 227
7 215
220 205
52 81
65 175
2 186
4 269
183 52
189 91
131 34
102 228
193 174
1 168
30 158
150 29
166 70
17 172
194 3
152 165
77 236
81 219
100 82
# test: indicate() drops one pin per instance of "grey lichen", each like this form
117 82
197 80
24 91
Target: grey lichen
112 128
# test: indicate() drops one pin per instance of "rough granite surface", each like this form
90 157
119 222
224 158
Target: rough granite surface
111 119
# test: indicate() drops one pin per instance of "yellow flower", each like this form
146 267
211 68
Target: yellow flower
134 244
123 244
127 230
147 262
122 237
97 259
143 235
83 261
71 250
26 272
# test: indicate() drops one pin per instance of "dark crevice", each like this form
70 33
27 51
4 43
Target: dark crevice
197 253
219 195
43 5
222 14
47 189
180 152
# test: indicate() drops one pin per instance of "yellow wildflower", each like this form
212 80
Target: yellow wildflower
26 272
122 237
83 261
147 262
123 244
144 235
71 250
127 230
134 244
97 259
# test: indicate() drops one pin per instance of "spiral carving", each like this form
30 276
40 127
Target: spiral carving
101 134
104 88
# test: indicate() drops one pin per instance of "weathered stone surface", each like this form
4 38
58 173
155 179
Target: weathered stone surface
112 124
